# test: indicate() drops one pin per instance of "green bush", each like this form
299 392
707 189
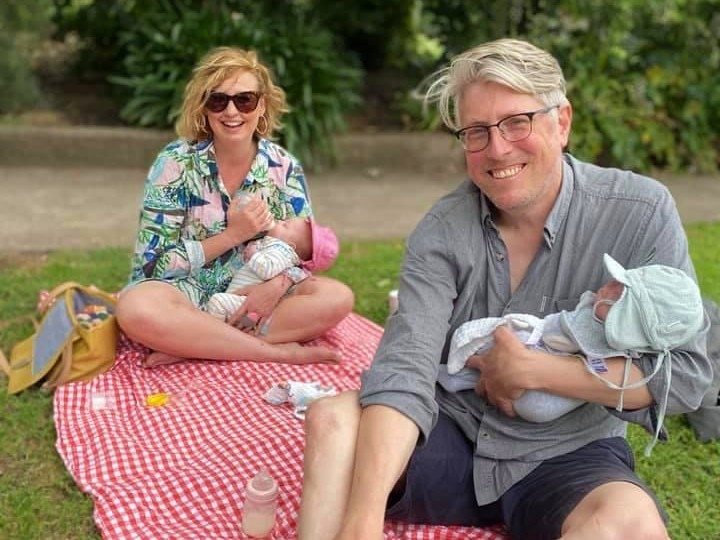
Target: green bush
23 26
168 37
644 77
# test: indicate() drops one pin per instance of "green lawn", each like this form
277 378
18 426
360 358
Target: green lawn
40 500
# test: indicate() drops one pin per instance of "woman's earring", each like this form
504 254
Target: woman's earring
263 131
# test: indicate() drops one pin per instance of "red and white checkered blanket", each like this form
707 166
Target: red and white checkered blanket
179 471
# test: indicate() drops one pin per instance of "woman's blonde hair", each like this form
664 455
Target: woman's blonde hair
517 64
210 72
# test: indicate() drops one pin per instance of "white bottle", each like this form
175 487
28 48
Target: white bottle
260 505
392 302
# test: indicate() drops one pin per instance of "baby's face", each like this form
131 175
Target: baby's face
606 296
295 232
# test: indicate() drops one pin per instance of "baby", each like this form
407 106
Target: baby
295 246
650 309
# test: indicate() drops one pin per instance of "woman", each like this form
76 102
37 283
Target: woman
195 219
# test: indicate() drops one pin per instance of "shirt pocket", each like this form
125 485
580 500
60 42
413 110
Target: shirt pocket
551 304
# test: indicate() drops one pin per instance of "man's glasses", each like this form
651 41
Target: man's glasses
244 102
512 128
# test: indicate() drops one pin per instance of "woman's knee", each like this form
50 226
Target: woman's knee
339 296
139 309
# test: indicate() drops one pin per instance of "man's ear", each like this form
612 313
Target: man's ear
565 114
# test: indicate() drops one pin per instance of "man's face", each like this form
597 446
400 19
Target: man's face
517 175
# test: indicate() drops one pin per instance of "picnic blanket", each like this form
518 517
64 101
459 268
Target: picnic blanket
178 471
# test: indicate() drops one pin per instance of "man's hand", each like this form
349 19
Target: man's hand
504 370
260 302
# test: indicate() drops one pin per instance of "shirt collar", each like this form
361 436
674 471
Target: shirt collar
562 204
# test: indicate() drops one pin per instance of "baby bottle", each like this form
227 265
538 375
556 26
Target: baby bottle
245 198
260 505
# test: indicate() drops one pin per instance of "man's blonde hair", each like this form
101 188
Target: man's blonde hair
210 72
517 64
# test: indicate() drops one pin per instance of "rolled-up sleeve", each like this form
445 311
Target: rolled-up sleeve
160 251
405 368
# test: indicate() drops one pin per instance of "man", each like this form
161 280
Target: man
525 234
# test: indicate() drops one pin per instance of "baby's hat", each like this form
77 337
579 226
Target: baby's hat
325 247
660 308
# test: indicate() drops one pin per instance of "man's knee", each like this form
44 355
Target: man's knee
616 511
332 416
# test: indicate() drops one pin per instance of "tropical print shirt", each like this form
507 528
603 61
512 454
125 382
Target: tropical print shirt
185 202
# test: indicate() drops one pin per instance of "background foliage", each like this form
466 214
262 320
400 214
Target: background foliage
23 26
644 77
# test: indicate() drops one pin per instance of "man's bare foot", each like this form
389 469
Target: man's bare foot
155 359
294 353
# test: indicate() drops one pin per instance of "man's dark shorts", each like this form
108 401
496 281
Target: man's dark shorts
439 487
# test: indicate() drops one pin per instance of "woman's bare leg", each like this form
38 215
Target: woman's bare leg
314 307
162 318
331 426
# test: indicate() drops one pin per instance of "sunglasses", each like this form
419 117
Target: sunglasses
244 102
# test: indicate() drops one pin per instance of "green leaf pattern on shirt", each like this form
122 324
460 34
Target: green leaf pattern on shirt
185 202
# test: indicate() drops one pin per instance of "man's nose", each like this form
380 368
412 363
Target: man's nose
497 145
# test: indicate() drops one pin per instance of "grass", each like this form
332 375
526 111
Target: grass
40 500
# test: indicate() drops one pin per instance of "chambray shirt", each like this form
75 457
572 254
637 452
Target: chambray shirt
456 269
185 202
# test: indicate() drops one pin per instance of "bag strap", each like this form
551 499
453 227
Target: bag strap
66 286
56 291
4 364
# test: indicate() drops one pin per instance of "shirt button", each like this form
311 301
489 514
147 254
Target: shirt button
499 256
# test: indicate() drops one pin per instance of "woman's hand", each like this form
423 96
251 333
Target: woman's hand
247 215
260 302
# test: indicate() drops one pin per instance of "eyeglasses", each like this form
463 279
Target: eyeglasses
512 128
244 102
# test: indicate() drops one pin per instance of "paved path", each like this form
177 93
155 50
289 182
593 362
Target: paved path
79 203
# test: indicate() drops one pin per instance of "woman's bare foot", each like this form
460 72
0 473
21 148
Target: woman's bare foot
283 353
294 353
155 359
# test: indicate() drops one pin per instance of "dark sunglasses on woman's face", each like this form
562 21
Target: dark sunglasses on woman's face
244 102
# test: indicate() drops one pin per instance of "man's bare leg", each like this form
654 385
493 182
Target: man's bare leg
615 510
331 426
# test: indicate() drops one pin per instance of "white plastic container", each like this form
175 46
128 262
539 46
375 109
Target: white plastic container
392 301
260 505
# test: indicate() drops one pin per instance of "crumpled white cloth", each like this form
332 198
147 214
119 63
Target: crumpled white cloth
299 394
477 335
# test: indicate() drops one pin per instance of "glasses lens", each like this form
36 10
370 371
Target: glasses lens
515 128
246 102
217 101
475 138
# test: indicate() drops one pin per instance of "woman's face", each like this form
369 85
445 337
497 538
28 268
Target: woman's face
230 125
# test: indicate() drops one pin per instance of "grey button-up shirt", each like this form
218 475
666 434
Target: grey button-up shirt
456 269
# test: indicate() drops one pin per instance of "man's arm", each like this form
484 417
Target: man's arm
386 439
510 368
